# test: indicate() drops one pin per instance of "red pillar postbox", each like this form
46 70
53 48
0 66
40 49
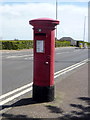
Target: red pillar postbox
44 44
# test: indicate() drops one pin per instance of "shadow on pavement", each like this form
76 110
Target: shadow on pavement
80 112
76 114
22 102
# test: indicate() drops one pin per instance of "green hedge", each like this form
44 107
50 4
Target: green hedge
62 43
26 44
88 45
0 45
14 45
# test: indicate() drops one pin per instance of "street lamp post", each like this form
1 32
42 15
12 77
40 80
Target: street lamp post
56 17
84 30
56 9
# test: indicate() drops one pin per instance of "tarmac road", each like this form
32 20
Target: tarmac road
71 100
17 66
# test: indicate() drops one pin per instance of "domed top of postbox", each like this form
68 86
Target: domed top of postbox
44 22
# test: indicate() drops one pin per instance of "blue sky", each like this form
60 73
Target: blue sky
75 2
16 15
45 0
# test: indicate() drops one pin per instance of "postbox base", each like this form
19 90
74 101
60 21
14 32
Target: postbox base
43 94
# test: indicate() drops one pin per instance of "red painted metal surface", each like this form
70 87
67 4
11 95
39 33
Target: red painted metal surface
44 34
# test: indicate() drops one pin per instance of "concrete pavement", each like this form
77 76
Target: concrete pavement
71 101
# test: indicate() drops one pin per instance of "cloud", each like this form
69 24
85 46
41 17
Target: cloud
16 18
32 9
72 19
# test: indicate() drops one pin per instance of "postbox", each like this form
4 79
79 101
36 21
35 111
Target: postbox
44 45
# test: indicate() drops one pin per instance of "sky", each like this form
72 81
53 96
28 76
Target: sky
15 16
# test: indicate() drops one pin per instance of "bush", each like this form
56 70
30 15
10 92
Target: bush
0 45
26 44
88 45
62 43
14 45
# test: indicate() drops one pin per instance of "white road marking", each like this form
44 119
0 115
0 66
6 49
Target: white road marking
31 55
26 89
20 56
16 90
15 96
29 58
68 52
61 73
84 61
62 53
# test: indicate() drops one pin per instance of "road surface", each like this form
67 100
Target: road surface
17 66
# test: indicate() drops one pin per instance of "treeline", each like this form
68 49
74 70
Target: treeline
26 44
